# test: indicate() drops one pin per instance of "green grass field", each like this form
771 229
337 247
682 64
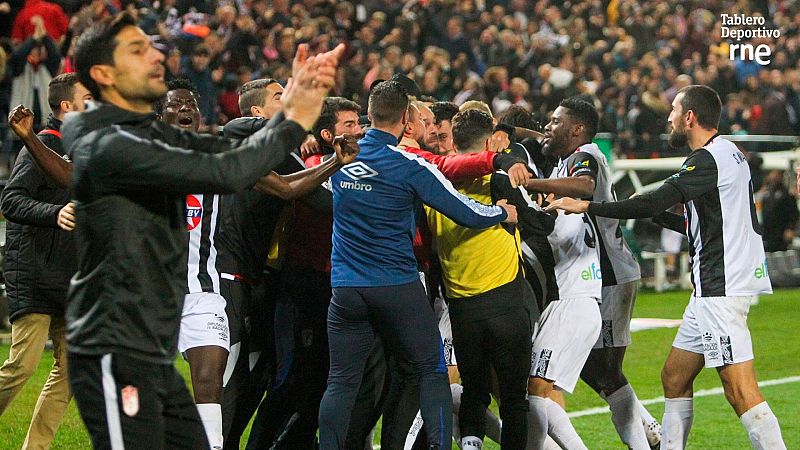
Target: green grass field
776 342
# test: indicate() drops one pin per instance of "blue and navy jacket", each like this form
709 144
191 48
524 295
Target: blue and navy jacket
376 200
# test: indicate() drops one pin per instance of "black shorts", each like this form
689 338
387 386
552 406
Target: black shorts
130 403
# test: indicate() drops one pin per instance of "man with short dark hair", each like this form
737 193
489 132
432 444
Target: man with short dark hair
489 300
256 224
439 139
260 98
376 286
571 132
39 260
131 173
728 268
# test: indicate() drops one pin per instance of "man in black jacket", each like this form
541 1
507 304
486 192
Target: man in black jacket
130 175
40 258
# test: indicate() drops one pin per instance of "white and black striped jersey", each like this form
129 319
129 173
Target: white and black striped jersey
202 221
616 259
568 259
725 243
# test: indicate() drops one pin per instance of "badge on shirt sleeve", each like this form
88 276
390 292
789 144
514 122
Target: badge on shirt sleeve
130 400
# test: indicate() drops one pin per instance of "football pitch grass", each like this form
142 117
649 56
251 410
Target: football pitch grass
776 346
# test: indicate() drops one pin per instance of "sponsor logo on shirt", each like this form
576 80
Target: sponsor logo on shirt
761 271
355 185
591 273
194 212
358 171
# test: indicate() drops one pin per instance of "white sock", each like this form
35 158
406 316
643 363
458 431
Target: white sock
763 428
211 416
647 418
560 428
652 429
537 422
455 391
471 443
677 422
625 417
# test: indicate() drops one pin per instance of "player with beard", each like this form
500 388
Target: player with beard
567 263
130 172
570 132
728 268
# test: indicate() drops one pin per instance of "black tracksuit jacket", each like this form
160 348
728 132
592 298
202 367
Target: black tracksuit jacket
131 173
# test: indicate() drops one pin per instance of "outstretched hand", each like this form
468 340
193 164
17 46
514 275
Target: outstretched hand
569 205
519 175
346 147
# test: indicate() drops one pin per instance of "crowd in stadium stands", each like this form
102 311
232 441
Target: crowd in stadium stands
632 56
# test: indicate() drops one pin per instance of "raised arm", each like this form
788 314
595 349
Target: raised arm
642 206
20 119
302 182
473 165
129 161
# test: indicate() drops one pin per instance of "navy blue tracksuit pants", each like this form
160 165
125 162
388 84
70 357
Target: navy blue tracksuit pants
401 315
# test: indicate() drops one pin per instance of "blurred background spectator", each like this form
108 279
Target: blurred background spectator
632 56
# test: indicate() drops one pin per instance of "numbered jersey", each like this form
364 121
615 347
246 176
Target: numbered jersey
724 234
571 258
616 260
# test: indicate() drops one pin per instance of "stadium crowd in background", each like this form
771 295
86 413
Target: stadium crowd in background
631 56
452 97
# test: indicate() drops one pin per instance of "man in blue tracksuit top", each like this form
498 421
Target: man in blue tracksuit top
376 286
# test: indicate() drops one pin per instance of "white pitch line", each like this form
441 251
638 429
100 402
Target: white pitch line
701 393
652 401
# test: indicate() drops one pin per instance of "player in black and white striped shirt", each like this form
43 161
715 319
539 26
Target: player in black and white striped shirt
585 173
728 268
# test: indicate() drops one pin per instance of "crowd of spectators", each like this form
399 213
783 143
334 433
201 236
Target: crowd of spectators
631 55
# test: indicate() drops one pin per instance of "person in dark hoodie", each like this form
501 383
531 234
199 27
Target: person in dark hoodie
131 173
40 258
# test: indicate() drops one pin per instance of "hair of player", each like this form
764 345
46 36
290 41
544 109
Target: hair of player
443 111
96 47
331 107
174 85
476 104
253 93
704 102
60 89
470 127
388 101
518 116
427 99
584 112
